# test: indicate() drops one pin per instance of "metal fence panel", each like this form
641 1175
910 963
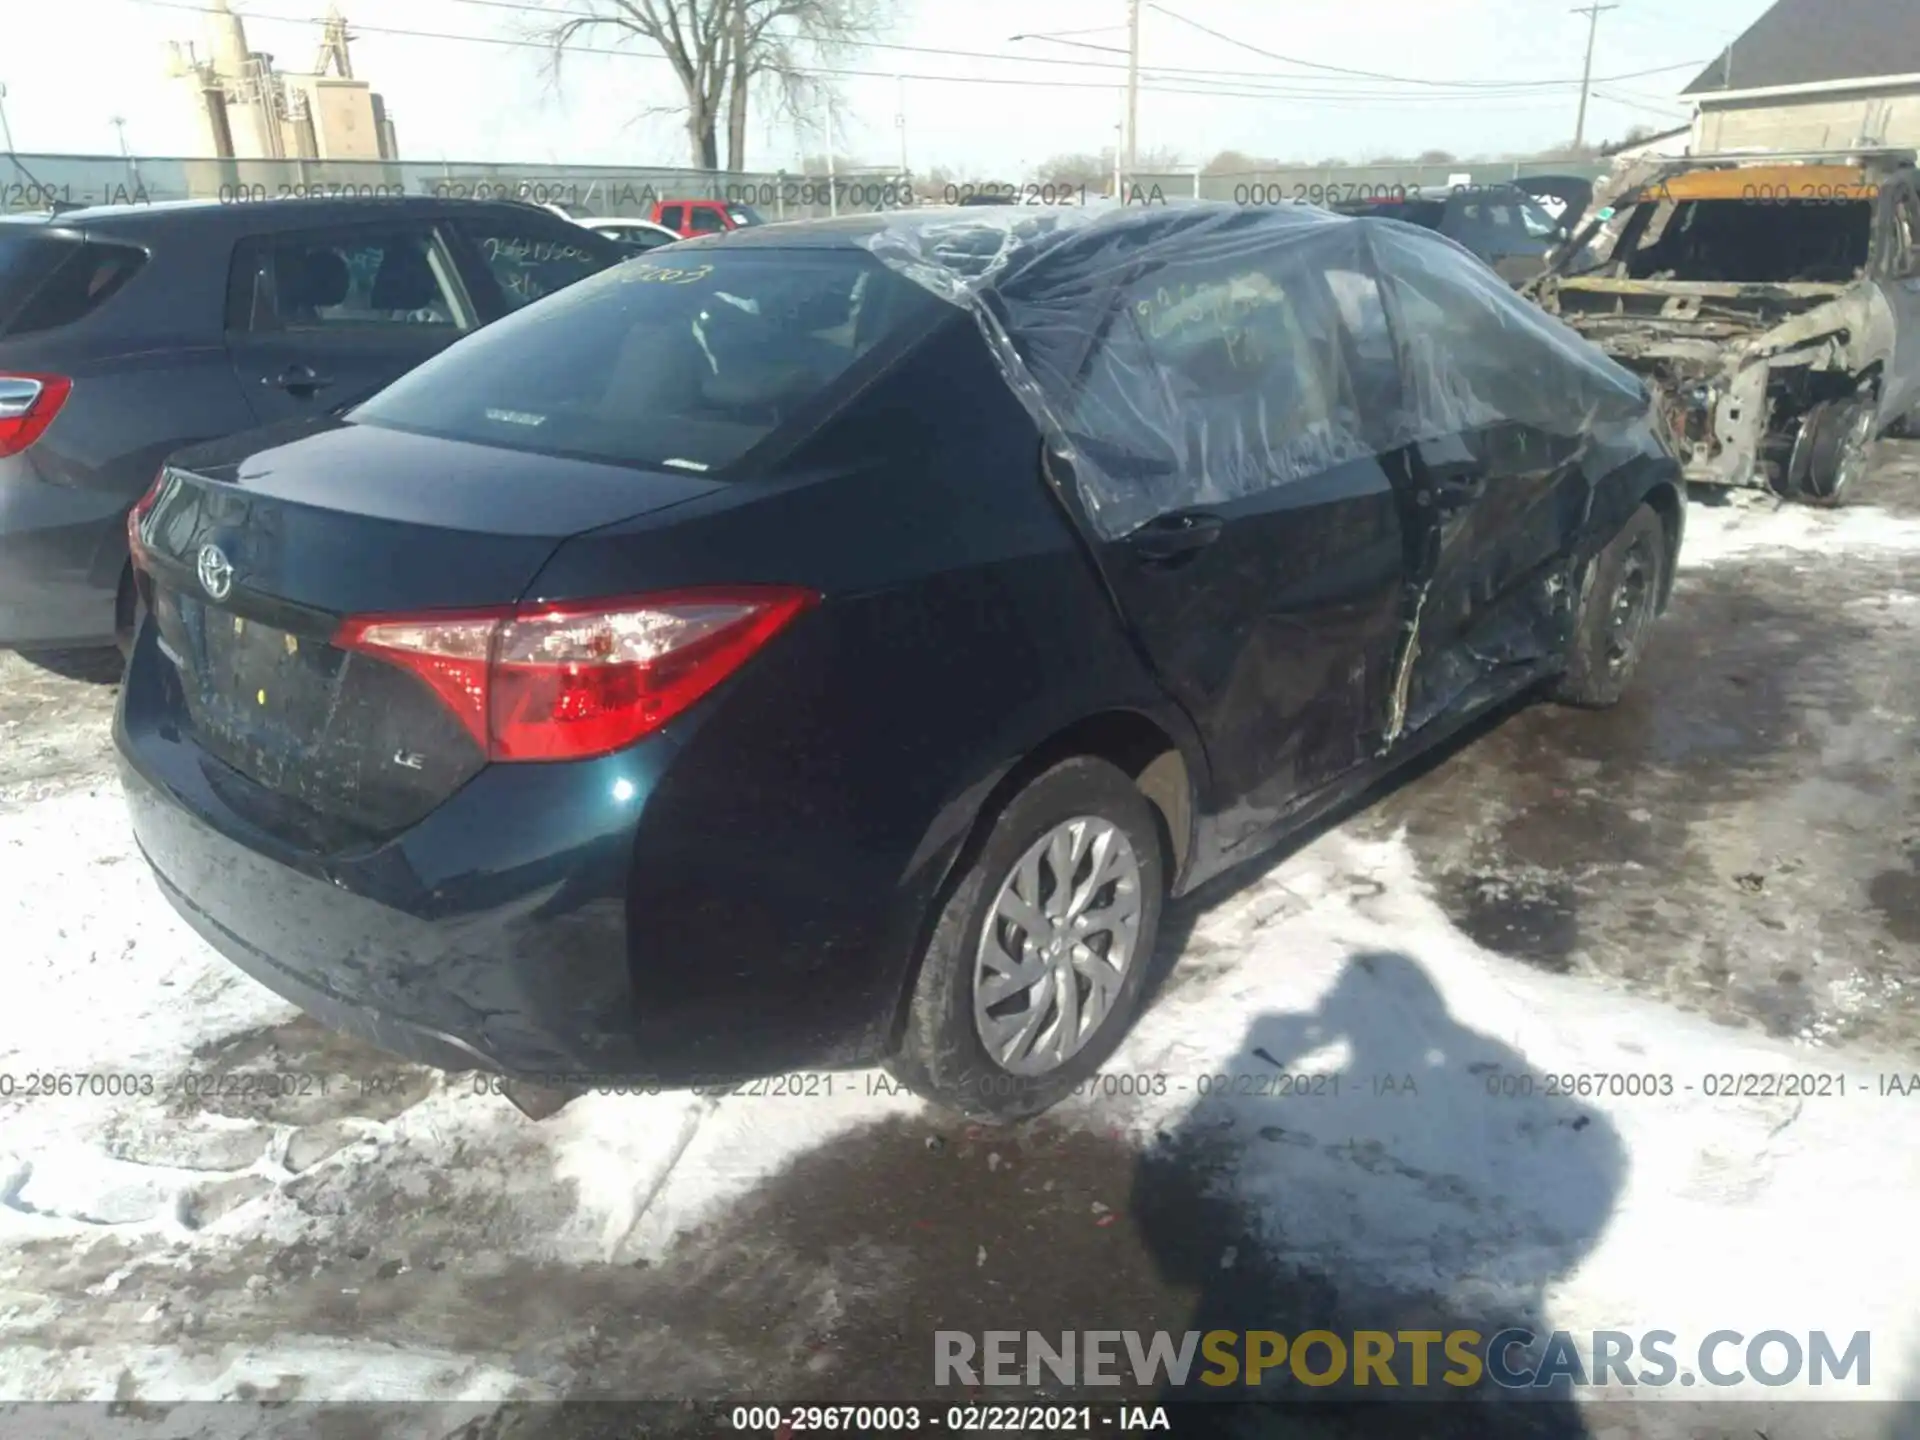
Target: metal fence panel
31 182
38 181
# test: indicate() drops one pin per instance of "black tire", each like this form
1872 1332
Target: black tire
1621 598
942 1055
1832 451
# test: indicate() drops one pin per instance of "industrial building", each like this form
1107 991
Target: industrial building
249 110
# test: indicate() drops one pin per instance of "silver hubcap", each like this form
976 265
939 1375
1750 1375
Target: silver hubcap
1056 945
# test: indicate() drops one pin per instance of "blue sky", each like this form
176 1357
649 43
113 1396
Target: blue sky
70 67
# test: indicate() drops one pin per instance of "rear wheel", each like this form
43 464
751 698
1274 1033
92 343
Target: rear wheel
1622 597
1034 970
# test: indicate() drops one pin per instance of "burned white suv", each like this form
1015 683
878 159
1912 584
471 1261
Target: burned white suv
1774 306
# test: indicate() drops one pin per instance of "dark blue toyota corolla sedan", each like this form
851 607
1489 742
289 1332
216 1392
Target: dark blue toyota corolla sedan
834 644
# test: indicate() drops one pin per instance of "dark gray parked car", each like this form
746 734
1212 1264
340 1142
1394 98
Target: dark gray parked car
129 332
1502 224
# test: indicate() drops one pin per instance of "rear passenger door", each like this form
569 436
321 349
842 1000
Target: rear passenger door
1491 504
1248 534
317 319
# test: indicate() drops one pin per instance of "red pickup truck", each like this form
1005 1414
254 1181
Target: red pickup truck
703 217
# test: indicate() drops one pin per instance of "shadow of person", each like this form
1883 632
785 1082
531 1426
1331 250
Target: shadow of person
1377 1165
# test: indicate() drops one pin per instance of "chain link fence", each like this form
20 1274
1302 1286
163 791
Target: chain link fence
40 182
1321 184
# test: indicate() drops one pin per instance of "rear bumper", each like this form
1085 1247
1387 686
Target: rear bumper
511 929
60 553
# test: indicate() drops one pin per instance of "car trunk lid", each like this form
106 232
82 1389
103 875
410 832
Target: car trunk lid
256 555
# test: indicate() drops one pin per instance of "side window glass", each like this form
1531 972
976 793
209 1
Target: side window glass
1372 363
530 263
670 217
1474 355
1216 383
706 220
325 281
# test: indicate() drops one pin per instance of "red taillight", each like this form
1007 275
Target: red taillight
136 517
567 682
28 404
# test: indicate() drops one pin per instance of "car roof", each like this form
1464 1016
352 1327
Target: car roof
853 232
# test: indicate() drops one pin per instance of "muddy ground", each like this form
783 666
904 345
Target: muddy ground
1738 841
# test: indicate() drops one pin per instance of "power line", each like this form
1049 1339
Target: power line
1194 79
1667 111
526 8
1409 79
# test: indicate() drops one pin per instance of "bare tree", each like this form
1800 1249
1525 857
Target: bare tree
1235 162
723 52
1089 170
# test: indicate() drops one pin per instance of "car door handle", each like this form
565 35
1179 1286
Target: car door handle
1174 535
296 378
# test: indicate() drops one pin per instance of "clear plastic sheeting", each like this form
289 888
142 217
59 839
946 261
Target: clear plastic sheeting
1194 355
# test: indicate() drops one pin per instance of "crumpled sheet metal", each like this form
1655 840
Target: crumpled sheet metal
1080 307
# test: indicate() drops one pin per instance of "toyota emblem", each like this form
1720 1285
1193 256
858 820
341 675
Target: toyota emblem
215 571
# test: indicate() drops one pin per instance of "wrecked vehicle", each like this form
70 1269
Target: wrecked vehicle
835 645
1775 307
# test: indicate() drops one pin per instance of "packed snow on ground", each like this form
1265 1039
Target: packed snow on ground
1690 1212
1745 522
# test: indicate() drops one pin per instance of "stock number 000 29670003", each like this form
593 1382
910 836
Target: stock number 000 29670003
956 1419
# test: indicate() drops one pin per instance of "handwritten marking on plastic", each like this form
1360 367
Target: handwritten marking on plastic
663 274
1226 305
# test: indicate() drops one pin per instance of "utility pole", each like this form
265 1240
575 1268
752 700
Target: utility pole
900 122
6 130
1592 12
833 185
1133 88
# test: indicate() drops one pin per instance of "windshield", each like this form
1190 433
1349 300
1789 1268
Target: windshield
1730 241
683 366
744 215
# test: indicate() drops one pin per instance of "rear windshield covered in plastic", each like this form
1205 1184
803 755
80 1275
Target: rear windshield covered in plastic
683 366
53 278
